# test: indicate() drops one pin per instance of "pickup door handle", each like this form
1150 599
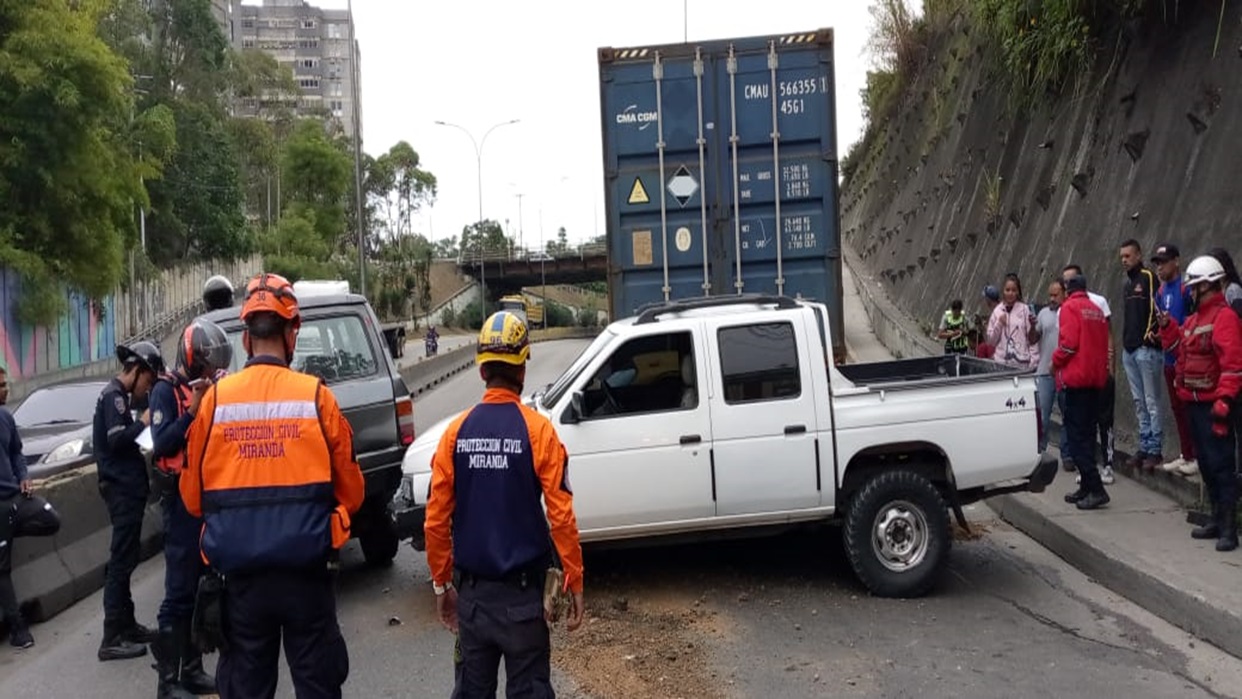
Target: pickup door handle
795 429
690 439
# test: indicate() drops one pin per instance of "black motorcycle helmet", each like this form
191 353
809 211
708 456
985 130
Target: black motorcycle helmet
217 293
143 354
203 350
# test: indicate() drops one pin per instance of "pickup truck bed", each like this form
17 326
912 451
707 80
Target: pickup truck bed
922 370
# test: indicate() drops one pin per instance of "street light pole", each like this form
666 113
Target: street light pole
478 163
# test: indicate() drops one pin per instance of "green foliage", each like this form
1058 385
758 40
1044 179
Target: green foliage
556 315
484 238
1043 46
560 246
67 176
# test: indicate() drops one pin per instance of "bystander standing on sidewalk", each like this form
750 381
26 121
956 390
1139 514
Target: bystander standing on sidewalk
1143 358
1208 379
1232 283
1045 333
1081 365
1107 398
1173 300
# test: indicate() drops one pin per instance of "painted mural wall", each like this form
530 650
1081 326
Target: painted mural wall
90 330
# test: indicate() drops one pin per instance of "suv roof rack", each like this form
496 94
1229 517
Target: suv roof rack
648 313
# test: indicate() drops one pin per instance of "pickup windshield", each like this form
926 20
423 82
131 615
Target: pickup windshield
561 384
334 348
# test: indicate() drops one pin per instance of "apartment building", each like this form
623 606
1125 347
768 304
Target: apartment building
314 43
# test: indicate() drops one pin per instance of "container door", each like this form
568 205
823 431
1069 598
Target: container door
764 418
777 145
659 130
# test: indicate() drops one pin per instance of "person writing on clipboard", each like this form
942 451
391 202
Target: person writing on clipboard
203 355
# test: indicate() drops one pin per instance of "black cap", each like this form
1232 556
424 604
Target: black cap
1165 252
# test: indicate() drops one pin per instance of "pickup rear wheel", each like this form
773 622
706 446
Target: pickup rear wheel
897 534
379 544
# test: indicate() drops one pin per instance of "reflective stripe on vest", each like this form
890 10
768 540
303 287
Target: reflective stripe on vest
175 464
267 474
499 526
1200 365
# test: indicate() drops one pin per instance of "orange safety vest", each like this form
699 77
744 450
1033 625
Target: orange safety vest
175 464
266 474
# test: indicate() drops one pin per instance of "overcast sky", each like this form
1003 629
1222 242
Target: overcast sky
478 63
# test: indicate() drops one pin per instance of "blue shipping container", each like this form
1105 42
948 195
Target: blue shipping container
706 147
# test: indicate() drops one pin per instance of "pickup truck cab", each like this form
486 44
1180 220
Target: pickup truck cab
340 342
727 414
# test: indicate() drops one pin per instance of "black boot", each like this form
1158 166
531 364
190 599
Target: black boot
115 646
193 678
137 633
1210 529
168 665
1074 497
1228 540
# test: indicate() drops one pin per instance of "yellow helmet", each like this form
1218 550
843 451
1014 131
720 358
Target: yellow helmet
503 339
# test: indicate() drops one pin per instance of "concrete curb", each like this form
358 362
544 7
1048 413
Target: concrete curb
1125 574
51 573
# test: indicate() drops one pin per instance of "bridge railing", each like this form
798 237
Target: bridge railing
515 253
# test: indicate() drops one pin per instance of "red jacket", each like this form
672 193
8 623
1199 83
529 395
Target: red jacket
1081 357
1221 353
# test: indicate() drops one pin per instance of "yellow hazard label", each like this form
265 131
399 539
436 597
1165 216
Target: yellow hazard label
638 195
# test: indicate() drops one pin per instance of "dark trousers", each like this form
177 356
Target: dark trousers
20 516
125 513
502 619
1103 424
259 609
1180 416
1081 420
182 563
1217 457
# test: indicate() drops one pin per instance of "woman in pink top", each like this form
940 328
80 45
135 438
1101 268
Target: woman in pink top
1010 325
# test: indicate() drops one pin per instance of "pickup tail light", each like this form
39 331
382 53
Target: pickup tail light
405 420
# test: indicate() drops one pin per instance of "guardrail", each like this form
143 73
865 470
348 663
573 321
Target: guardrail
528 254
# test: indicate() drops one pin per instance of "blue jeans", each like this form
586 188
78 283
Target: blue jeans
1046 395
1145 372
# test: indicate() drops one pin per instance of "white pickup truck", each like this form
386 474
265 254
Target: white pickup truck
727 414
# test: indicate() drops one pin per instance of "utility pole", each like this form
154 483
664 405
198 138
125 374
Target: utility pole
357 113
521 235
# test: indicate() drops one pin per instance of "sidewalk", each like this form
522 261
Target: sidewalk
1138 547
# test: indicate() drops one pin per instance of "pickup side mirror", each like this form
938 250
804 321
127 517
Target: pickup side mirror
574 413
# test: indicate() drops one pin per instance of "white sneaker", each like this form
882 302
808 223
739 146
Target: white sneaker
1189 468
1106 475
1173 466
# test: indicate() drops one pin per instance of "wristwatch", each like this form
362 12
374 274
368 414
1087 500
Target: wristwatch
440 589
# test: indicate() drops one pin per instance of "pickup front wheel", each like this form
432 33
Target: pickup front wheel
897 534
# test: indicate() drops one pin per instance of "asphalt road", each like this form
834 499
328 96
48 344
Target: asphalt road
773 617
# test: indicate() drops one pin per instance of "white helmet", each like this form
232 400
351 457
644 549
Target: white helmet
1204 268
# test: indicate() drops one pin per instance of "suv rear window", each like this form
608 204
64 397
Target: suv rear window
334 348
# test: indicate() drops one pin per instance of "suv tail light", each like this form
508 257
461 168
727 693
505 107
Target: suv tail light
405 420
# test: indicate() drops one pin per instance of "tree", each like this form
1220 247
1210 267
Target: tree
446 247
316 174
559 246
191 53
402 187
485 237
68 176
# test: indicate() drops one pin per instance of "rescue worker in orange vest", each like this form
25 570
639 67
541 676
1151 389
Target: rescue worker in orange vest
270 468
203 354
489 546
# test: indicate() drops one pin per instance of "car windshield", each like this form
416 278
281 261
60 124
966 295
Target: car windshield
334 348
558 387
63 404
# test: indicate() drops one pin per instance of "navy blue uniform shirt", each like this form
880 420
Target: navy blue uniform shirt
12 463
168 424
118 457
